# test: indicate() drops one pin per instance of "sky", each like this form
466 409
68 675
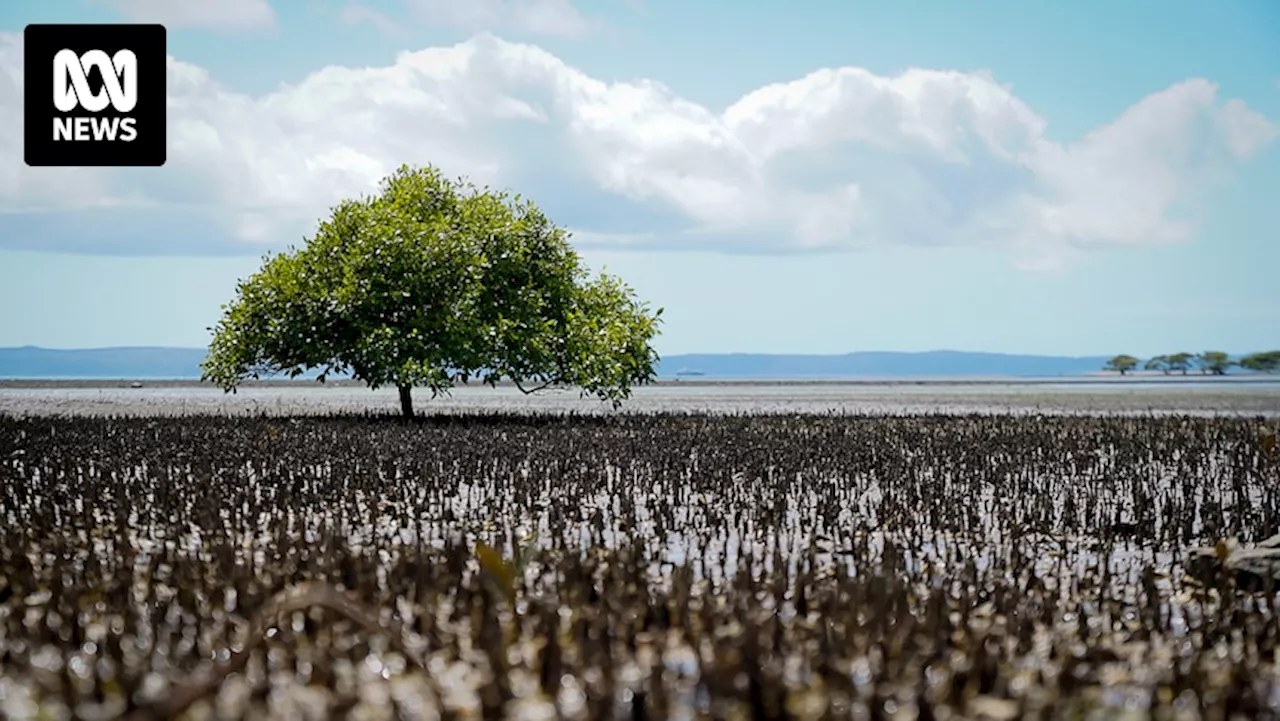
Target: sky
818 176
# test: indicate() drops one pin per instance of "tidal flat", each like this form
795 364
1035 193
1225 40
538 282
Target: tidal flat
1230 396
634 565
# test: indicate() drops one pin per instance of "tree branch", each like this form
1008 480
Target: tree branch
544 386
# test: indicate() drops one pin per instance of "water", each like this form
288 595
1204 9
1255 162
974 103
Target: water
1082 396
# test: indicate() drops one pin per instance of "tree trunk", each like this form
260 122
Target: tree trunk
406 401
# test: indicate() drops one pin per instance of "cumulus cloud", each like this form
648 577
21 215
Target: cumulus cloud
841 158
235 15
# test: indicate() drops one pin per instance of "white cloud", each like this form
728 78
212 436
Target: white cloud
838 159
215 14
538 17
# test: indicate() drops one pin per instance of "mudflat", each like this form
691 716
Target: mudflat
1195 397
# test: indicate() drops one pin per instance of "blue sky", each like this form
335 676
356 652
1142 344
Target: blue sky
1066 178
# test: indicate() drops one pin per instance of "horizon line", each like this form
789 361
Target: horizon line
1080 356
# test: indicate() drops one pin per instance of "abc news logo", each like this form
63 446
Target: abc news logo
94 95
71 90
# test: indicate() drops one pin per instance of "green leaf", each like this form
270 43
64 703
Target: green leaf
430 281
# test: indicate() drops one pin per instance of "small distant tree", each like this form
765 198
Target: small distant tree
1181 362
1121 364
1214 362
429 283
1158 363
1268 362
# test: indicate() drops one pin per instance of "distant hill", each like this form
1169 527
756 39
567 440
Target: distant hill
876 364
184 363
135 362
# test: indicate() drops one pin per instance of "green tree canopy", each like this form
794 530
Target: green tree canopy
1158 363
1215 362
1121 363
1268 362
429 283
1180 362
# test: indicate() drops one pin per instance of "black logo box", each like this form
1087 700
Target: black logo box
149 45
